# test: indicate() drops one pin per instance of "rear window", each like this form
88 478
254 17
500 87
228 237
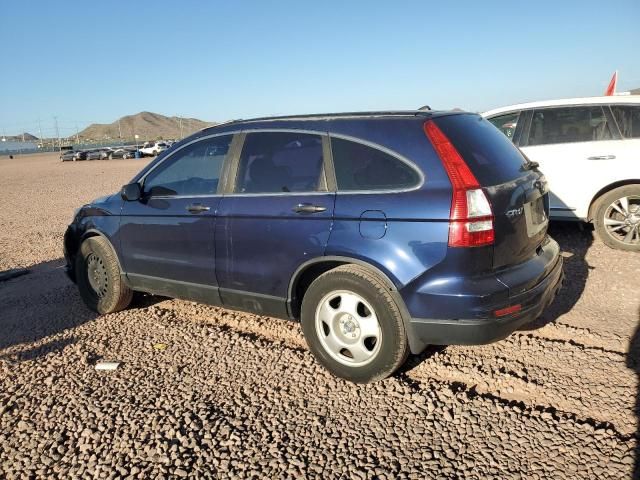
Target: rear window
490 155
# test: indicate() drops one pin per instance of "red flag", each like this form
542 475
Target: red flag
611 89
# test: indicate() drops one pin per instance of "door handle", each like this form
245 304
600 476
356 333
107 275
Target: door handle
198 208
602 157
308 208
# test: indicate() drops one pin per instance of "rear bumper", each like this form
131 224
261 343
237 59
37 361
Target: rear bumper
486 328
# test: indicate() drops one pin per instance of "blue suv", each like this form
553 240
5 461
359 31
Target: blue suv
382 232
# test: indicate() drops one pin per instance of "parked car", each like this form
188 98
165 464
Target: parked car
97 154
68 156
381 232
589 149
122 153
81 155
153 148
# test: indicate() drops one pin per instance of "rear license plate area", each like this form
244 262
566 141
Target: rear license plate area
536 216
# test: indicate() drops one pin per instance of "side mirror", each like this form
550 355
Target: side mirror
131 192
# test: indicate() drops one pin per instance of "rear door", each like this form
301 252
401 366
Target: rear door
576 149
278 216
167 237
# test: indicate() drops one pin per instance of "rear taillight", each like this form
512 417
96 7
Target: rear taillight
471 217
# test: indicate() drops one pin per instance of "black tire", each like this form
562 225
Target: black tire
611 235
111 294
393 348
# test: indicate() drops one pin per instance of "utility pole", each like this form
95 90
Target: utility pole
181 136
77 139
119 131
57 133
40 132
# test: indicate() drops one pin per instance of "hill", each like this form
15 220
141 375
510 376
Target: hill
148 125
27 137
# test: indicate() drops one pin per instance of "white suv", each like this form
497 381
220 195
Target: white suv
153 148
589 150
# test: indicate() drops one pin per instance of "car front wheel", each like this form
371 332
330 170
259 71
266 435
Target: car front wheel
98 276
617 218
353 325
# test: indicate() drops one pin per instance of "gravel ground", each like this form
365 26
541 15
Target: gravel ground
235 395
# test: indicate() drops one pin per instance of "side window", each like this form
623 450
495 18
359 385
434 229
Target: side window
361 167
193 170
506 123
280 162
568 125
628 120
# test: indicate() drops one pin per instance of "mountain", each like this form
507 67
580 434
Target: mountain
19 138
147 125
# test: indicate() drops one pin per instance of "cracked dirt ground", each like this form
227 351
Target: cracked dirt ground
236 395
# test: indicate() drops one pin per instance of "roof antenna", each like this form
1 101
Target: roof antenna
425 107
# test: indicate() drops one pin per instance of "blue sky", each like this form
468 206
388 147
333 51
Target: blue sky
90 62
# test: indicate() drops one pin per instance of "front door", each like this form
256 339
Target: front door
278 216
167 237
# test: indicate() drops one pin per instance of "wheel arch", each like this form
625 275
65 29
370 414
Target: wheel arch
607 189
306 273
312 269
92 232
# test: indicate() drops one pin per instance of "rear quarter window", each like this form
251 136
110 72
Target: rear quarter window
361 167
491 156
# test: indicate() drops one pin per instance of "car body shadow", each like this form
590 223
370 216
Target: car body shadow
38 312
575 239
633 362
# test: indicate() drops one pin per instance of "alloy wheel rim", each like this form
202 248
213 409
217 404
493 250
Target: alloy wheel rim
348 328
622 220
97 275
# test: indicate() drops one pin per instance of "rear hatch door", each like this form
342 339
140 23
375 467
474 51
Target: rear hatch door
517 191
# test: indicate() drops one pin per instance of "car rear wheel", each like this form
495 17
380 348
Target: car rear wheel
617 218
353 326
98 277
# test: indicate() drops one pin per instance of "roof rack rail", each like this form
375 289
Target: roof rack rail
226 122
308 116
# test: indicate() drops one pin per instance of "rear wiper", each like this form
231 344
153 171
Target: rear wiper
529 164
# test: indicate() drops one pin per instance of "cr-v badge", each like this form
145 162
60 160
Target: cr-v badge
515 212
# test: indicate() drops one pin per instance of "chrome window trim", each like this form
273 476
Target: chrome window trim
279 194
172 197
170 155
